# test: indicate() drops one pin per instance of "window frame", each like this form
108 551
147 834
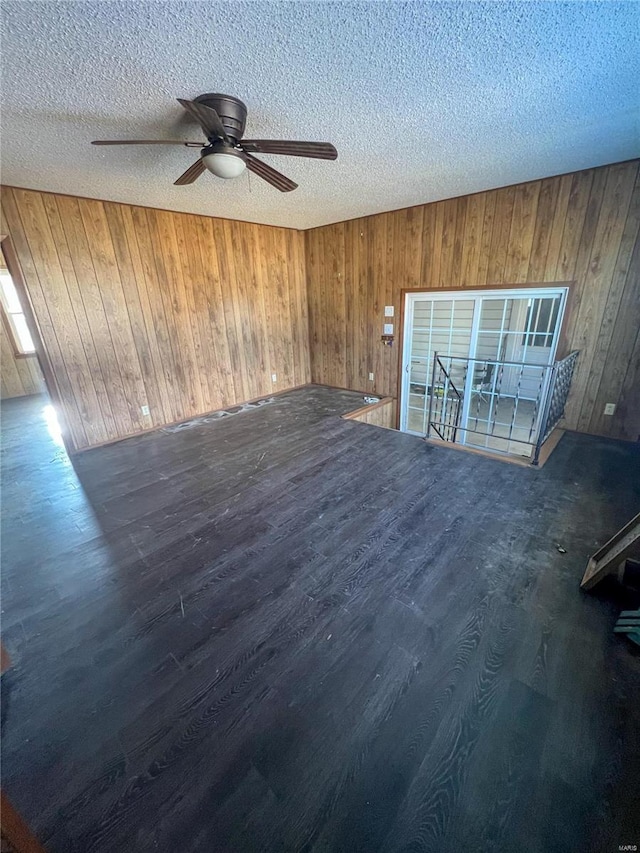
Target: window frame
7 318
531 334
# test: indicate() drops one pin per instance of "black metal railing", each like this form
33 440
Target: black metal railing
512 407
445 403
556 399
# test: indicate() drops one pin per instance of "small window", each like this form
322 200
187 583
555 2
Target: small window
16 321
542 317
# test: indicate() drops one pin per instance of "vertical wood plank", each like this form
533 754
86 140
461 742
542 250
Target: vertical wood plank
500 234
352 237
335 322
239 309
523 219
557 227
458 241
298 284
313 304
274 311
429 245
217 310
177 309
363 329
151 330
128 277
163 333
472 240
536 258
188 262
487 234
447 250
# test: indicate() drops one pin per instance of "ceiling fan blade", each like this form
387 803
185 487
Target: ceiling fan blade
148 142
272 176
208 118
192 173
318 150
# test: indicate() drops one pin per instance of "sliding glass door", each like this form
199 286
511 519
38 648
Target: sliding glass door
437 325
493 346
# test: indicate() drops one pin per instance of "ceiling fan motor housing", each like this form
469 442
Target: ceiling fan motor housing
225 153
232 112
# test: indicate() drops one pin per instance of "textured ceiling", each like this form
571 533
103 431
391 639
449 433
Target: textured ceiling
423 100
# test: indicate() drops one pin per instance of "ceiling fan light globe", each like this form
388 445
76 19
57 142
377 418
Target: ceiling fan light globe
224 164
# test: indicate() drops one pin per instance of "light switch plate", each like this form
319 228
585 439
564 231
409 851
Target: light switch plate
388 310
388 328
609 408
145 410
371 377
274 377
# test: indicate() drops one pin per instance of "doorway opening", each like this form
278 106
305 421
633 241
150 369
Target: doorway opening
26 380
479 366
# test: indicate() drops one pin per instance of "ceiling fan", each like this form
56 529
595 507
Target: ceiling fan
226 153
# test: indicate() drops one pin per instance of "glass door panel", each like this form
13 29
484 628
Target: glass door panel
515 340
441 325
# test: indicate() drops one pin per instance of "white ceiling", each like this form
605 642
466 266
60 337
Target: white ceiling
423 101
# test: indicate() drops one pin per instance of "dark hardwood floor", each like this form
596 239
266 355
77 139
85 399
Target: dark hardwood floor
284 631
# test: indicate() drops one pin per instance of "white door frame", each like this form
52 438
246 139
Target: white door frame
413 296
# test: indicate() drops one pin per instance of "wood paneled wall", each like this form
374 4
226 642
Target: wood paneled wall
19 377
581 227
187 314
139 307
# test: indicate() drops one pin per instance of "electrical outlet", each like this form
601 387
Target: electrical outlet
371 377
274 377
609 408
145 410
